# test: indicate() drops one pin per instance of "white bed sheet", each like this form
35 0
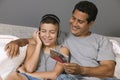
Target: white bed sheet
7 64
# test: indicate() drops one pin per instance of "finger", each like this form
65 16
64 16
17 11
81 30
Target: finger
66 65
37 33
11 51
8 51
6 47
34 35
16 51
68 71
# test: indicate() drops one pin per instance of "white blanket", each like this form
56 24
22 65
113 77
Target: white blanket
7 64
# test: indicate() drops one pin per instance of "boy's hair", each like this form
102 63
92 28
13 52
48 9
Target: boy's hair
50 18
87 7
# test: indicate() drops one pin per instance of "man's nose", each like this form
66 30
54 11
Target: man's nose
75 23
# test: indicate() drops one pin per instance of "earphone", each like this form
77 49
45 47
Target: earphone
52 17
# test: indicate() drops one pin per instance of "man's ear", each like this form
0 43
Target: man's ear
91 23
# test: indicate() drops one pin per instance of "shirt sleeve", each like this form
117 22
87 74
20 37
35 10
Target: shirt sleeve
105 51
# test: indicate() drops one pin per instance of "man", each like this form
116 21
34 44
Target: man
92 57
91 54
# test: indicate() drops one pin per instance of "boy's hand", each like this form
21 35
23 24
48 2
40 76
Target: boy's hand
36 37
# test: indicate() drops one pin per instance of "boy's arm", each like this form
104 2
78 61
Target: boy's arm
12 47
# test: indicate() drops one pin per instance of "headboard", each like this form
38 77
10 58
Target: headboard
15 30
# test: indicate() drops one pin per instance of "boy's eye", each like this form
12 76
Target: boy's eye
52 32
43 31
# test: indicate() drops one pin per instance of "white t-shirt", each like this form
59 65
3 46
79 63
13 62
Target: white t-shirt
88 51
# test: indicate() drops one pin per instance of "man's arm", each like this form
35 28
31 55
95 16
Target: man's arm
105 69
12 47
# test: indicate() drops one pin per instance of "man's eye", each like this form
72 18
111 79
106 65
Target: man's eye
80 22
73 18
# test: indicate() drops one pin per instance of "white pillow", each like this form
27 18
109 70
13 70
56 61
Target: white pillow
116 46
116 50
7 64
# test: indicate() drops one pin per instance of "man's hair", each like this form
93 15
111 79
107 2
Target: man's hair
87 7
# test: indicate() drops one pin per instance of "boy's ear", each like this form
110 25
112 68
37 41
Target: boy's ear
39 32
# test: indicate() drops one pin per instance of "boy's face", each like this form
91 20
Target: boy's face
78 23
48 34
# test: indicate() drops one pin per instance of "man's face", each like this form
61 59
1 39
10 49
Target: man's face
78 24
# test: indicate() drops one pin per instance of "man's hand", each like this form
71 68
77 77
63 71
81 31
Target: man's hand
105 69
72 68
12 49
